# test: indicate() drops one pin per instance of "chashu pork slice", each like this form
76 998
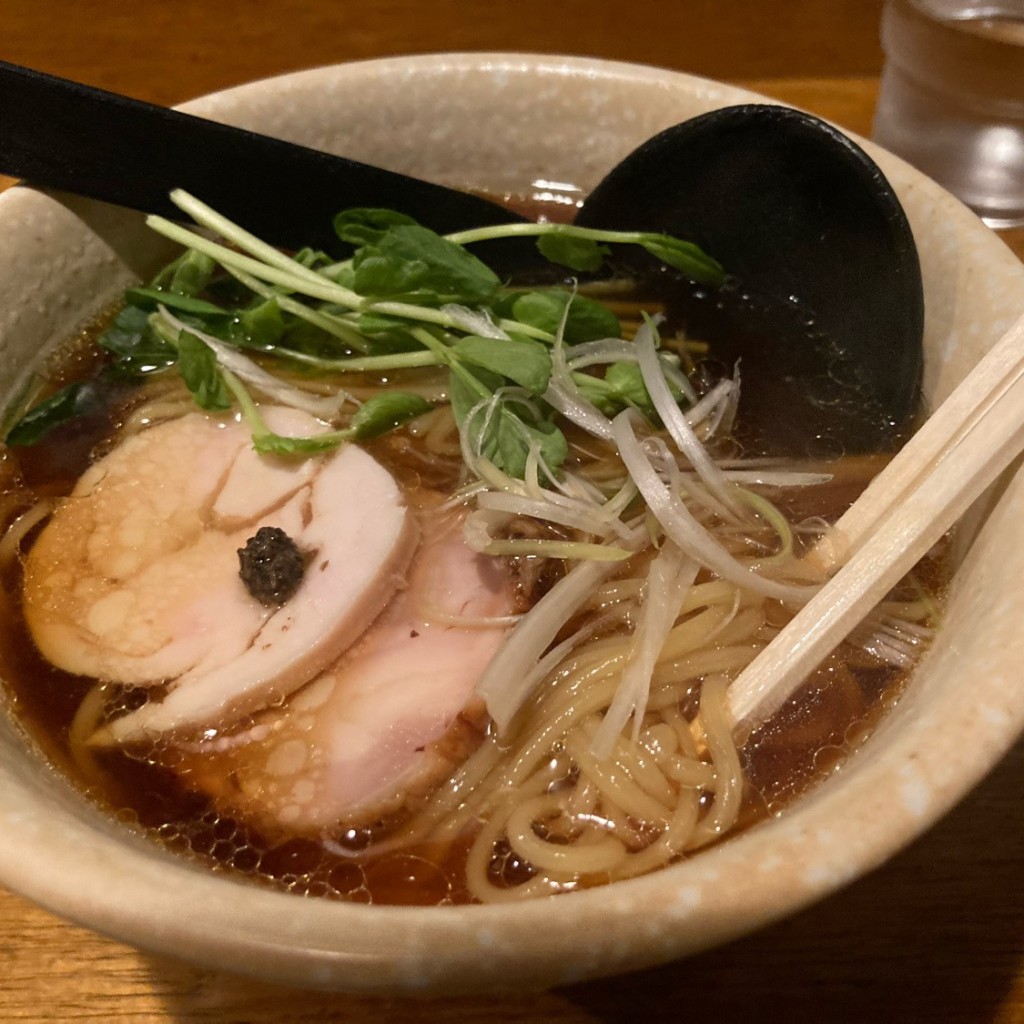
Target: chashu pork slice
389 720
136 580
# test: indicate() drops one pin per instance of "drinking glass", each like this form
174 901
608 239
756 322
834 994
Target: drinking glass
951 100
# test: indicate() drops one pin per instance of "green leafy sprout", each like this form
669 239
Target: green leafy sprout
231 307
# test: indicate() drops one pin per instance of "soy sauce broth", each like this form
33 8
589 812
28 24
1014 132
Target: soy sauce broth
805 742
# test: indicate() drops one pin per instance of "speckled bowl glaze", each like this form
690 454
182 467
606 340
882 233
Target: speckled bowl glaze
500 122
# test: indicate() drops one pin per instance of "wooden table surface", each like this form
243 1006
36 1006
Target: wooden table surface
935 935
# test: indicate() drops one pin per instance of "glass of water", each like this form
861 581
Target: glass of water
951 100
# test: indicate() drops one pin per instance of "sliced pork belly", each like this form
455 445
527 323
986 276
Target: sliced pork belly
135 579
385 723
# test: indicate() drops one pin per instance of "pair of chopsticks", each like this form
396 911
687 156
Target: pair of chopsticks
959 451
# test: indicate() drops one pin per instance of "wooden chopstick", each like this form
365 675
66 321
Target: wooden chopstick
959 451
966 405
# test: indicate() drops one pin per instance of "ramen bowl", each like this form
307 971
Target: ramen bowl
503 124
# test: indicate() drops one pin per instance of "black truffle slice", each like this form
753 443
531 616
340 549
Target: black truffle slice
271 565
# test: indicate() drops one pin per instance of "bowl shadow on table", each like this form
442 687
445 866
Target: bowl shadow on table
936 934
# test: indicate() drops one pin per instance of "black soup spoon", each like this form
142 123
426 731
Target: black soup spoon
823 309
826 307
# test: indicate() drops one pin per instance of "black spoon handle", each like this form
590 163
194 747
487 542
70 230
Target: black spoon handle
61 134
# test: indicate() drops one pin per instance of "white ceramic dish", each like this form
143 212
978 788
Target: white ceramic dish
500 122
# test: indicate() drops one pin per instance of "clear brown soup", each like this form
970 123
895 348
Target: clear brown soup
811 738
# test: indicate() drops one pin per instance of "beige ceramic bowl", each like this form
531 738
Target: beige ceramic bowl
500 122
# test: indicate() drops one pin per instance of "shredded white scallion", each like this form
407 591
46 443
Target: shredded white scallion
565 397
711 407
671 575
479 533
474 321
587 519
675 422
777 478
680 525
600 353
323 407
509 679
